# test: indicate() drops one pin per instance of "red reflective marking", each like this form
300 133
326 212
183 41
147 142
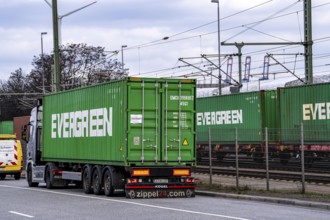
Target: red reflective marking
181 187
139 187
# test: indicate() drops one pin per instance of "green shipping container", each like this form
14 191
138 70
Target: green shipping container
134 121
249 113
7 127
308 105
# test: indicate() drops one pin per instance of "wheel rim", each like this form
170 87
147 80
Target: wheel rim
96 180
107 182
29 175
86 185
48 182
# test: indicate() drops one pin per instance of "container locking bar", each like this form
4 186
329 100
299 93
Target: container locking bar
156 123
180 88
142 150
166 121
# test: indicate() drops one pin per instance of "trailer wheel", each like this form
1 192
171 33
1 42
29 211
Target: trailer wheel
29 177
2 176
48 178
97 180
86 180
107 182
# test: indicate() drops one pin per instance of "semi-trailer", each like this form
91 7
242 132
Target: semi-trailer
134 136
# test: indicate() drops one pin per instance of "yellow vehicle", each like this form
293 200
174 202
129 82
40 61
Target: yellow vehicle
11 157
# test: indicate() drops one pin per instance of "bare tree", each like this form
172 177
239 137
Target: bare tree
12 92
80 65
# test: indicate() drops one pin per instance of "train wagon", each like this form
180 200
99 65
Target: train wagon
249 113
307 106
6 127
19 122
133 136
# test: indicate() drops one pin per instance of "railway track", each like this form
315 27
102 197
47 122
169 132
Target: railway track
273 174
274 164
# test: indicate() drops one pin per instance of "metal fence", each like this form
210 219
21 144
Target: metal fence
264 147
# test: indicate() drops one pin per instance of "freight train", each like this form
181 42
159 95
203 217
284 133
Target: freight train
292 115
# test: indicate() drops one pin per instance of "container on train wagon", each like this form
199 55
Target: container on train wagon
308 105
19 122
6 127
249 112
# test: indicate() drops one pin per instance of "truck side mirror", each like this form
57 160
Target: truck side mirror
24 133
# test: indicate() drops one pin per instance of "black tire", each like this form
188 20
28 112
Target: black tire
220 156
258 158
107 182
86 180
29 177
17 176
48 178
2 176
284 157
97 180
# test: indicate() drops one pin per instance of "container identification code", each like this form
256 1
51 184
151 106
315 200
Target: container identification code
86 123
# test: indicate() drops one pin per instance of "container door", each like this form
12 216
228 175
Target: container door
178 110
161 122
144 106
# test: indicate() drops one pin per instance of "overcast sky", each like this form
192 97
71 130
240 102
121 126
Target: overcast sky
191 26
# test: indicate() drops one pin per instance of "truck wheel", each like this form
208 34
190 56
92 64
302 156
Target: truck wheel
107 182
97 180
48 178
2 176
17 176
86 180
29 177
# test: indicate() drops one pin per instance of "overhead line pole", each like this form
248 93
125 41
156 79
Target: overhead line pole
57 67
308 41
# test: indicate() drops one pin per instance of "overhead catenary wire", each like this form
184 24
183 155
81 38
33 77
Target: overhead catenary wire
261 21
161 41
170 71
173 69
167 40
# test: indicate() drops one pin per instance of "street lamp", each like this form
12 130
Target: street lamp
217 1
60 17
42 62
122 57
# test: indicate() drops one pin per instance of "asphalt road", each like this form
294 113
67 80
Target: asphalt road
20 202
